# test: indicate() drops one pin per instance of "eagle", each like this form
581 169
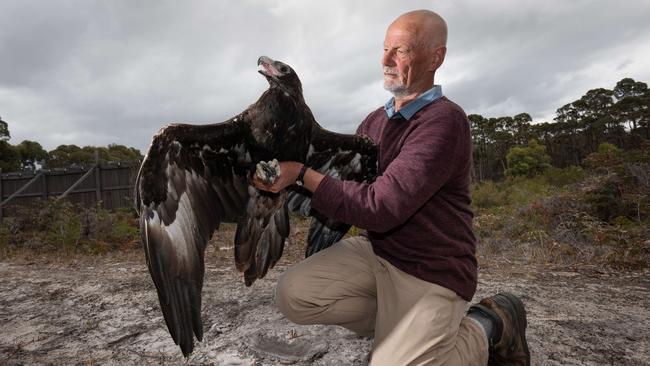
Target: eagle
194 177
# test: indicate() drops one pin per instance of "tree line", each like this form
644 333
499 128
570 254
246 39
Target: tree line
30 155
620 117
502 145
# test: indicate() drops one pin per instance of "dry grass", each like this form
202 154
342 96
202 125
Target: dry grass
66 229
592 218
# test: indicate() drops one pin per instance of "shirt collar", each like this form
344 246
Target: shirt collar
415 105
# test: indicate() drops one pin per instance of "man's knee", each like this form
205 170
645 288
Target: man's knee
289 297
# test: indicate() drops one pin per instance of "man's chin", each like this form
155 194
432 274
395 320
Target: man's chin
396 90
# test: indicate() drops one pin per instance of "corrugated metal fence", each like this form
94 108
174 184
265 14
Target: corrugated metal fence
110 184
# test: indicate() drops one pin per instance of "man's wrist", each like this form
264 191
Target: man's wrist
300 179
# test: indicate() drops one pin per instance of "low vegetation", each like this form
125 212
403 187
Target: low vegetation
596 215
599 214
66 229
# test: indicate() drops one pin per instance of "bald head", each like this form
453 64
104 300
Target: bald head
429 29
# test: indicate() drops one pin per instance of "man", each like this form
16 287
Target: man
409 280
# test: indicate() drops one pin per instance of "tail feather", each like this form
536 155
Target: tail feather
260 236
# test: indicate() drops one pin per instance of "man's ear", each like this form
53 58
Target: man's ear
438 58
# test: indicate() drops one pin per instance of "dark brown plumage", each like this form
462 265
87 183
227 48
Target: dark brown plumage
195 177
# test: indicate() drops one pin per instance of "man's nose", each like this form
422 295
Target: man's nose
387 59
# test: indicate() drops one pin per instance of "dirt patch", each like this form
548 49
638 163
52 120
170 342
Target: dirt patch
105 311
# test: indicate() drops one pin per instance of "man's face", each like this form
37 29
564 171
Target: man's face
405 62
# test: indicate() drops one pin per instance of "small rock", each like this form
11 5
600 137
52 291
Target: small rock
297 350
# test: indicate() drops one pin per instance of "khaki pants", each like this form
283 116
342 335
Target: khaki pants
414 322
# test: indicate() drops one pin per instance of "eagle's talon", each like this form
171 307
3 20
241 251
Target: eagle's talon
268 172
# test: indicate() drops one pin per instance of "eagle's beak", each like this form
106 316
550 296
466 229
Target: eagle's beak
266 67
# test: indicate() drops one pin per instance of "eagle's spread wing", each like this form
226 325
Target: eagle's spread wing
192 179
342 156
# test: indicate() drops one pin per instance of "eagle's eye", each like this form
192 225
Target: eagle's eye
284 69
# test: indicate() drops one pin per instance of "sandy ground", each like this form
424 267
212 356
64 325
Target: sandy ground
104 310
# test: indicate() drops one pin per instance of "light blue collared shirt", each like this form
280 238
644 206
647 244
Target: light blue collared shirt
415 105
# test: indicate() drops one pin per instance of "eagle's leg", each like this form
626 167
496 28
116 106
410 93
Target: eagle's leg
269 171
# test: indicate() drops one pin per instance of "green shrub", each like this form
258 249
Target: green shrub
605 201
527 161
562 177
487 194
607 156
508 193
523 191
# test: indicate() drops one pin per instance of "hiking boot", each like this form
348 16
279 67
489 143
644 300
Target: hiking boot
509 346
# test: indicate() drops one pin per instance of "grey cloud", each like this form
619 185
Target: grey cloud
536 53
97 72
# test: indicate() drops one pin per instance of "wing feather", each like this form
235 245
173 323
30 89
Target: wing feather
343 156
183 194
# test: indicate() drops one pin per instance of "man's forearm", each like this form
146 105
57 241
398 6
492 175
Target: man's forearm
312 179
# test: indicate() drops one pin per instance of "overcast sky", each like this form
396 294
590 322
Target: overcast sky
98 72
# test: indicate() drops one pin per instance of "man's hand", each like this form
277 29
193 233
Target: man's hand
289 171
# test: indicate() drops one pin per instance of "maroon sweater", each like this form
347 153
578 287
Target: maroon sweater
417 212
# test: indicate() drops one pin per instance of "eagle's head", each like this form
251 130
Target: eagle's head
280 75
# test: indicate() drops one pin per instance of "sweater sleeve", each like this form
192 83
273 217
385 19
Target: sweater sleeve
426 161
